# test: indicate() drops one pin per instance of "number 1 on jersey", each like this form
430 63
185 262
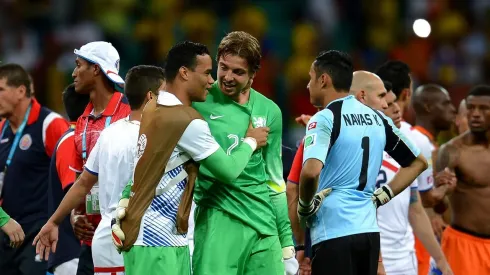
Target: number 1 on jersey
365 162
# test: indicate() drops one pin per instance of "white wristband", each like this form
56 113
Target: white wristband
251 141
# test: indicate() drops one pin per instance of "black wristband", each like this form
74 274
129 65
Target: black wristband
299 247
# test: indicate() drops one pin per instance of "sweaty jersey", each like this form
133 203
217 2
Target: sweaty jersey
424 140
247 198
112 160
349 139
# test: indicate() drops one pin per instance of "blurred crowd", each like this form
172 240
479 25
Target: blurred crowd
41 35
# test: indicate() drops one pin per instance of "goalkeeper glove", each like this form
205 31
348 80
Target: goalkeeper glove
307 211
382 196
291 265
118 236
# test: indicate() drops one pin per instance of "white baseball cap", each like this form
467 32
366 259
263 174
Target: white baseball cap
105 55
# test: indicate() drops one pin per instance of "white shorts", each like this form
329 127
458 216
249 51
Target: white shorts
403 266
67 268
190 231
104 254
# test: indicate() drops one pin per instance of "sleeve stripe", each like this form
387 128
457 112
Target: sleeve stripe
65 137
47 121
336 109
75 170
91 172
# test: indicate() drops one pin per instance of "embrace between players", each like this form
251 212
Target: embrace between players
234 134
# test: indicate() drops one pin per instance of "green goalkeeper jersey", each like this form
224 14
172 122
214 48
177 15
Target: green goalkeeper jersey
246 198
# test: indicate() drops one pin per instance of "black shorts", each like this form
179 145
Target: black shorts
22 260
350 255
85 262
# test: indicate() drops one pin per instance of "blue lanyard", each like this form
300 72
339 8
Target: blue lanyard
17 136
84 136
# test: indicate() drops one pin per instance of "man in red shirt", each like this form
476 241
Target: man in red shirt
96 74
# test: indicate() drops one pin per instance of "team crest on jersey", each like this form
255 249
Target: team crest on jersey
142 141
25 142
310 140
259 121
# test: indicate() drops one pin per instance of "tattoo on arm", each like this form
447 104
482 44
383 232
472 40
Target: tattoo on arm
447 157
414 195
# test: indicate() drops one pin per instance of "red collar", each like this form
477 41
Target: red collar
111 107
35 110
424 132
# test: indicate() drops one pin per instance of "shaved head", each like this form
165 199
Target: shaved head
369 89
432 102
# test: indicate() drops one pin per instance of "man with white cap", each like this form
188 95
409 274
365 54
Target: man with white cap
96 73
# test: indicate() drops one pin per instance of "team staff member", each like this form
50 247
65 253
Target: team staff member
28 137
96 74
65 261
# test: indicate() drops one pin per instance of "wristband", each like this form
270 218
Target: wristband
251 141
299 247
308 206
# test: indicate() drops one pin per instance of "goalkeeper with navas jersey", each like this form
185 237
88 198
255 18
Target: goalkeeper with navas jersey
242 227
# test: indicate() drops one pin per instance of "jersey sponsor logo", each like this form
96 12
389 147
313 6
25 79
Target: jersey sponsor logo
310 140
25 142
359 119
311 126
211 116
142 141
259 121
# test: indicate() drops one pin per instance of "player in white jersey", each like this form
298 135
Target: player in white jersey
108 169
404 212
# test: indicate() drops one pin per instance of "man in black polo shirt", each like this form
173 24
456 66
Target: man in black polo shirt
28 136
61 178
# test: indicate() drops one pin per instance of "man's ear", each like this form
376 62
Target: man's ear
97 70
361 96
326 81
184 73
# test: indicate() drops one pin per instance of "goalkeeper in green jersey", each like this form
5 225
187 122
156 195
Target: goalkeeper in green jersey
242 227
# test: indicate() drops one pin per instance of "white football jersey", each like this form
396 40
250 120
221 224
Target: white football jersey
397 240
112 160
421 139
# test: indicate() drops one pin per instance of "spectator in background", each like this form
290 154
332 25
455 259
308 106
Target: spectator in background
96 74
28 137
61 178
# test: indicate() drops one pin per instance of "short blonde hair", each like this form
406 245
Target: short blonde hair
243 45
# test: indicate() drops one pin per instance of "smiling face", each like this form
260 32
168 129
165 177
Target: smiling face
233 75
200 79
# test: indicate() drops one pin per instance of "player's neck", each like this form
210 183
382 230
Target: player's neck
136 115
18 114
329 97
179 93
242 97
100 98
482 138
427 125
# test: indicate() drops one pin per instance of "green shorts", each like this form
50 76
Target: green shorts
225 246
147 260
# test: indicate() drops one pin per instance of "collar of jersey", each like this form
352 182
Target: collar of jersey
110 109
340 99
35 110
167 99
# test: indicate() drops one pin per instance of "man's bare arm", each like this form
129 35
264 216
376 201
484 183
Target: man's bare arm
292 192
447 157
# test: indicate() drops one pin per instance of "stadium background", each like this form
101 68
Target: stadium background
41 36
